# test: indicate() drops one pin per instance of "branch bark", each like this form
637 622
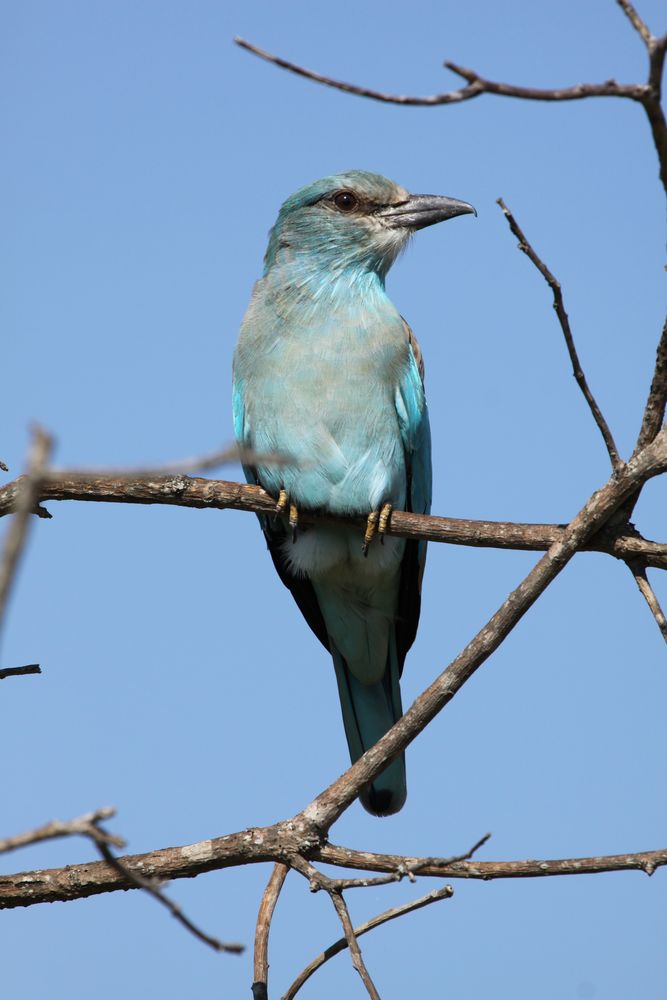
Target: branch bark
193 492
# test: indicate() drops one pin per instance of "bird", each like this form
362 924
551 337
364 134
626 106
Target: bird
329 377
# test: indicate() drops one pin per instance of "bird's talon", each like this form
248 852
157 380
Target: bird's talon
283 500
371 529
383 522
293 520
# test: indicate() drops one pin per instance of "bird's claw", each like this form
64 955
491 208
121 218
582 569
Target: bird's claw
283 504
383 521
293 520
371 529
376 524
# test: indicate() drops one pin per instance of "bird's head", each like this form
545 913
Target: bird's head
353 220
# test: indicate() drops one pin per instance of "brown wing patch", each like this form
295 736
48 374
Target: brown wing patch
414 344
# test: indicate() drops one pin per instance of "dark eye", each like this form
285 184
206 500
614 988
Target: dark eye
345 201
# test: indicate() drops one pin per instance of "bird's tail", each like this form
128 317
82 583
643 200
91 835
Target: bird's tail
369 710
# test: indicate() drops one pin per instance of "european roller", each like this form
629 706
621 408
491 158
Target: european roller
329 375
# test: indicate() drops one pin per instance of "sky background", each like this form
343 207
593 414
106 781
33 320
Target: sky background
144 159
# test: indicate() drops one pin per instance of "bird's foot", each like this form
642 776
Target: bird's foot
293 520
383 521
376 524
284 503
371 530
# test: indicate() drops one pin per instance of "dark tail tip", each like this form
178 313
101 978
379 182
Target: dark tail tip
381 801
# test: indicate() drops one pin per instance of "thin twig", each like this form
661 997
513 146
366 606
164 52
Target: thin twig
223 456
403 871
563 319
476 85
88 826
416 868
638 571
263 929
150 886
355 951
446 892
654 411
30 668
82 826
17 532
636 21
648 94
5 468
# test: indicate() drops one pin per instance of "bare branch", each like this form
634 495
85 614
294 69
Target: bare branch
648 94
30 668
635 20
638 571
563 319
281 843
3 467
24 502
187 491
152 887
264 918
330 804
351 938
476 85
82 826
88 825
402 871
223 456
654 412
646 861
446 892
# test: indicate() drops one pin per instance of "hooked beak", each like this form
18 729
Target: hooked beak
421 210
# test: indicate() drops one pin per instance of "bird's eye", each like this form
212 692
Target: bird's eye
345 201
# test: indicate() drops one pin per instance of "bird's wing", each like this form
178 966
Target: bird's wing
416 435
274 528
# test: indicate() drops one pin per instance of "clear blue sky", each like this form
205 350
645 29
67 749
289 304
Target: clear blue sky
144 159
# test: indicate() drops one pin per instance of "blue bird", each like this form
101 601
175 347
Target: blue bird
328 373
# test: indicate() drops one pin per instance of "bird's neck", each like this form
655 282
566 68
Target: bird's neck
302 283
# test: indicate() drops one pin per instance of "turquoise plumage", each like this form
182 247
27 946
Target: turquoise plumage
328 374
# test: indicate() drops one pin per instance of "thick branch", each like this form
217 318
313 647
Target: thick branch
187 491
276 844
328 806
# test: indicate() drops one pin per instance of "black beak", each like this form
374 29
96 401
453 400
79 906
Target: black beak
421 210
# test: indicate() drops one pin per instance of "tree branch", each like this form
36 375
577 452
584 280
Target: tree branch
648 94
187 491
25 498
279 843
351 938
262 930
30 668
82 826
563 319
328 806
638 571
476 85
446 892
